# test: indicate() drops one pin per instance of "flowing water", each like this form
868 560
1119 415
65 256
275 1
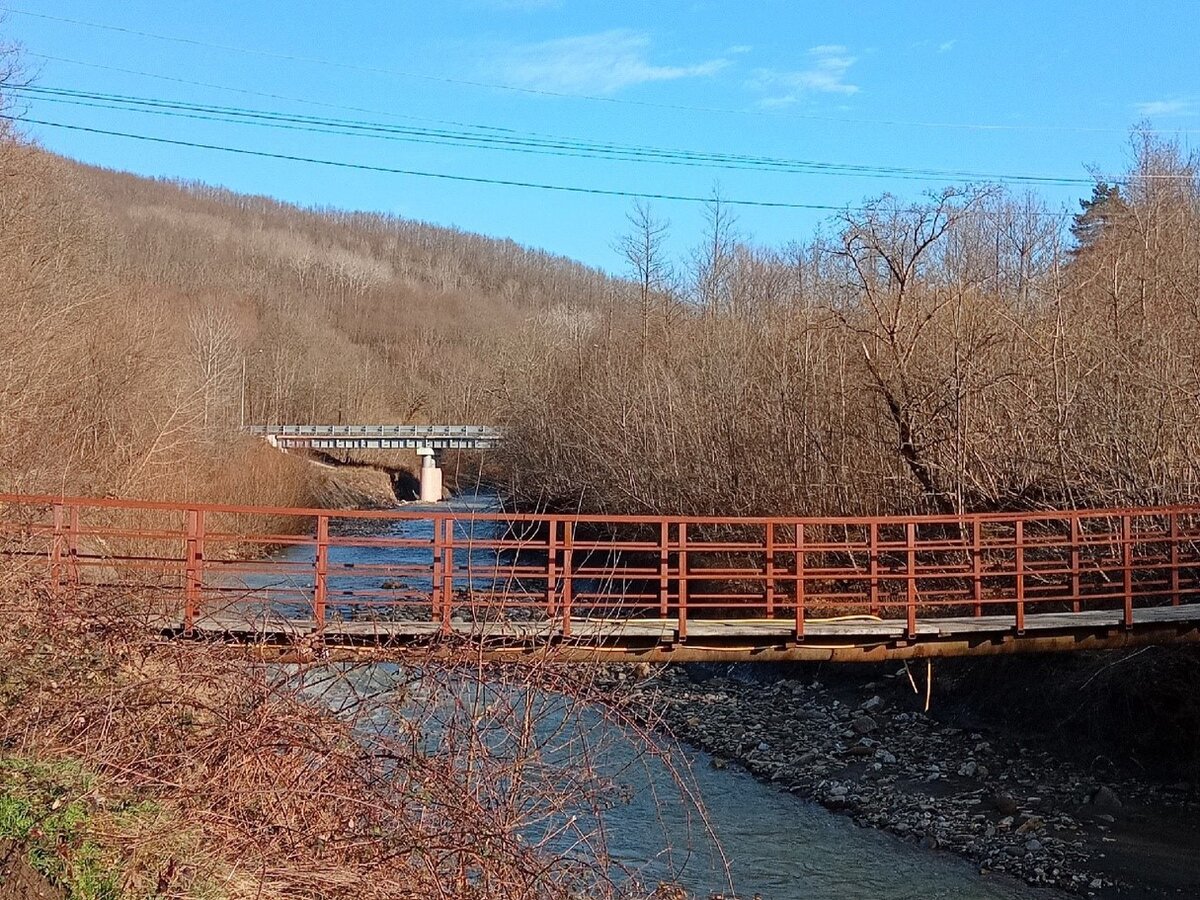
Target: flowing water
774 844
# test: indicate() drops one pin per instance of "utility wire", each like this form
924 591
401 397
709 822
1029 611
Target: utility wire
526 144
472 179
248 92
620 101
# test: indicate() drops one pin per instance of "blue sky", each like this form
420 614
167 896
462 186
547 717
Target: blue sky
990 88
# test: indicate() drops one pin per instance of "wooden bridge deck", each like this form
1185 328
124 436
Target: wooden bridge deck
716 640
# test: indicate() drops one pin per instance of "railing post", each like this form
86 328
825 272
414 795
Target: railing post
1076 581
664 569
977 566
1019 571
320 578
1127 566
910 543
800 579
1174 578
448 574
683 582
436 578
56 548
193 567
552 570
873 569
769 550
568 584
73 548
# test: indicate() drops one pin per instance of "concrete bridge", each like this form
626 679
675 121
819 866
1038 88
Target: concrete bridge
385 583
426 440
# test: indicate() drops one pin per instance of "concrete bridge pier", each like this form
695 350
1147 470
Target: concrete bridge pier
431 476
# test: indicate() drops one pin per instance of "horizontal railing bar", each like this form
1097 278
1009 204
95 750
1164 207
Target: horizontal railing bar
50 500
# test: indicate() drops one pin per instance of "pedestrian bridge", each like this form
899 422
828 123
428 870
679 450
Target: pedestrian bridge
337 584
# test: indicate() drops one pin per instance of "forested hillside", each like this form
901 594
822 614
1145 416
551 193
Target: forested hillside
144 320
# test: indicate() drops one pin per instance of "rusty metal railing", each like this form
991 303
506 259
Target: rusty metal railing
436 566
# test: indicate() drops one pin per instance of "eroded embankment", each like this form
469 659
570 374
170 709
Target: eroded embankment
856 740
354 486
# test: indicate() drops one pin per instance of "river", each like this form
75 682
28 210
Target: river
775 845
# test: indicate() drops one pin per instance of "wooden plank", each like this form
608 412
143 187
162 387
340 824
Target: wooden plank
269 625
812 628
665 631
1182 613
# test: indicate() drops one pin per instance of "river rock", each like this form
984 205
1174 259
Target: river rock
863 725
1033 823
1010 814
1105 800
1005 804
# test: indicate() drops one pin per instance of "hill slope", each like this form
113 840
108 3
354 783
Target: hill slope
146 319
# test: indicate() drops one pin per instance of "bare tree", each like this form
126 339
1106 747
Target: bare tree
644 249
215 355
713 262
888 250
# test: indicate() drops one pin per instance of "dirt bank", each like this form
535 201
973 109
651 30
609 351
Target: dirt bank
353 486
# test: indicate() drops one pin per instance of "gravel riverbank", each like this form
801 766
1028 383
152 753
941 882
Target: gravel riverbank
866 749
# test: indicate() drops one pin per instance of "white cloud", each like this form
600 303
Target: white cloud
826 74
1177 107
601 63
946 46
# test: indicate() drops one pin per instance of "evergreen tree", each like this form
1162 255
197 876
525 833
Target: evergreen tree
1096 214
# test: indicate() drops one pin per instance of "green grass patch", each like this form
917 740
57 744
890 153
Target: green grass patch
50 809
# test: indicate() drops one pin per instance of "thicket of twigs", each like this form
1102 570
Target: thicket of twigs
961 353
964 352
202 775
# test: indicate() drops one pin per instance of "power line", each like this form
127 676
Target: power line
308 101
513 141
355 67
471 179
423 76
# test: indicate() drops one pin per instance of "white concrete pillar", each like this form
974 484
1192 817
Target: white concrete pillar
431 476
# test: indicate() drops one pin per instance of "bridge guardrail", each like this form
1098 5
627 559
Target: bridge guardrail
560 570
380 437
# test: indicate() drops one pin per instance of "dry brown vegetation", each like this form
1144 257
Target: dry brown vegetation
142 321
186 771
956 354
